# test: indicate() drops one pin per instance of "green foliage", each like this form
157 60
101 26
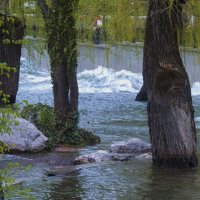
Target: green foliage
39 114
61 34
122 19
8 116
10 188
43 118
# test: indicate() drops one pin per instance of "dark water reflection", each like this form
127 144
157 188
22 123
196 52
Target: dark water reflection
173 184
69 188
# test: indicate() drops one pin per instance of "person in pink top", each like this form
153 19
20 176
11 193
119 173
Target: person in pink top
97 26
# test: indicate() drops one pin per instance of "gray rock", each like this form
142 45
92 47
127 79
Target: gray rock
101 156
122 157
119 151
134 145
144 156
98 156
24 137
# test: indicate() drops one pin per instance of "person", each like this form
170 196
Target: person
97 26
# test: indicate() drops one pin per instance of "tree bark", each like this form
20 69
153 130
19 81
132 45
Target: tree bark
170 111
142 94
10 53
60 91
74 94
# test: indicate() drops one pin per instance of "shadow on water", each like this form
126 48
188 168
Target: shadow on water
170 184
69 188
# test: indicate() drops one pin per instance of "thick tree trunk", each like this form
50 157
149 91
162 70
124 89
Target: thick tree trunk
62 48
60 91
74 94
142 94
170 111
10 53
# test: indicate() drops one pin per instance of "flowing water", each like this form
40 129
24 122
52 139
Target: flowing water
107 106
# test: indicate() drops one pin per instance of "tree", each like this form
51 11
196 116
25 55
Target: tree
11 35
62 48
170 111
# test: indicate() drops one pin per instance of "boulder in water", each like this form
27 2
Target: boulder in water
134 145
25 137
146 156
98 156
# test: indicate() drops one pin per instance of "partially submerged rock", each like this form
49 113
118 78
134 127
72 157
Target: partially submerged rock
120 151
146 156
98 156
25 137
134 145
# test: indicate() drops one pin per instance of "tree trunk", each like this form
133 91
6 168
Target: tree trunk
60 91
62 48
74 94
170 111
142 94
10 53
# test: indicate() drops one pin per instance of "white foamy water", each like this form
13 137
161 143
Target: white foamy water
107 80
196 89
99 80
197 119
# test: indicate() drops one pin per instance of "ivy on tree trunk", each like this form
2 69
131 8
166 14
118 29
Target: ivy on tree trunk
62 49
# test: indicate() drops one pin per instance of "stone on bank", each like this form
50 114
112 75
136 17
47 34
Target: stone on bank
24 137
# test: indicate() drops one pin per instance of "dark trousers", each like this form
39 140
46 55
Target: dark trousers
97 36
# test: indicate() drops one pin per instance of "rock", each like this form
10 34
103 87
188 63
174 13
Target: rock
119 151
101 156
24 137
98 156
134 145
122 157
146 156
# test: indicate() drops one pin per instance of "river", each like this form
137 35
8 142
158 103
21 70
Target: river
107 106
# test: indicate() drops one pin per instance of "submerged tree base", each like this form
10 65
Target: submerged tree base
176 162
